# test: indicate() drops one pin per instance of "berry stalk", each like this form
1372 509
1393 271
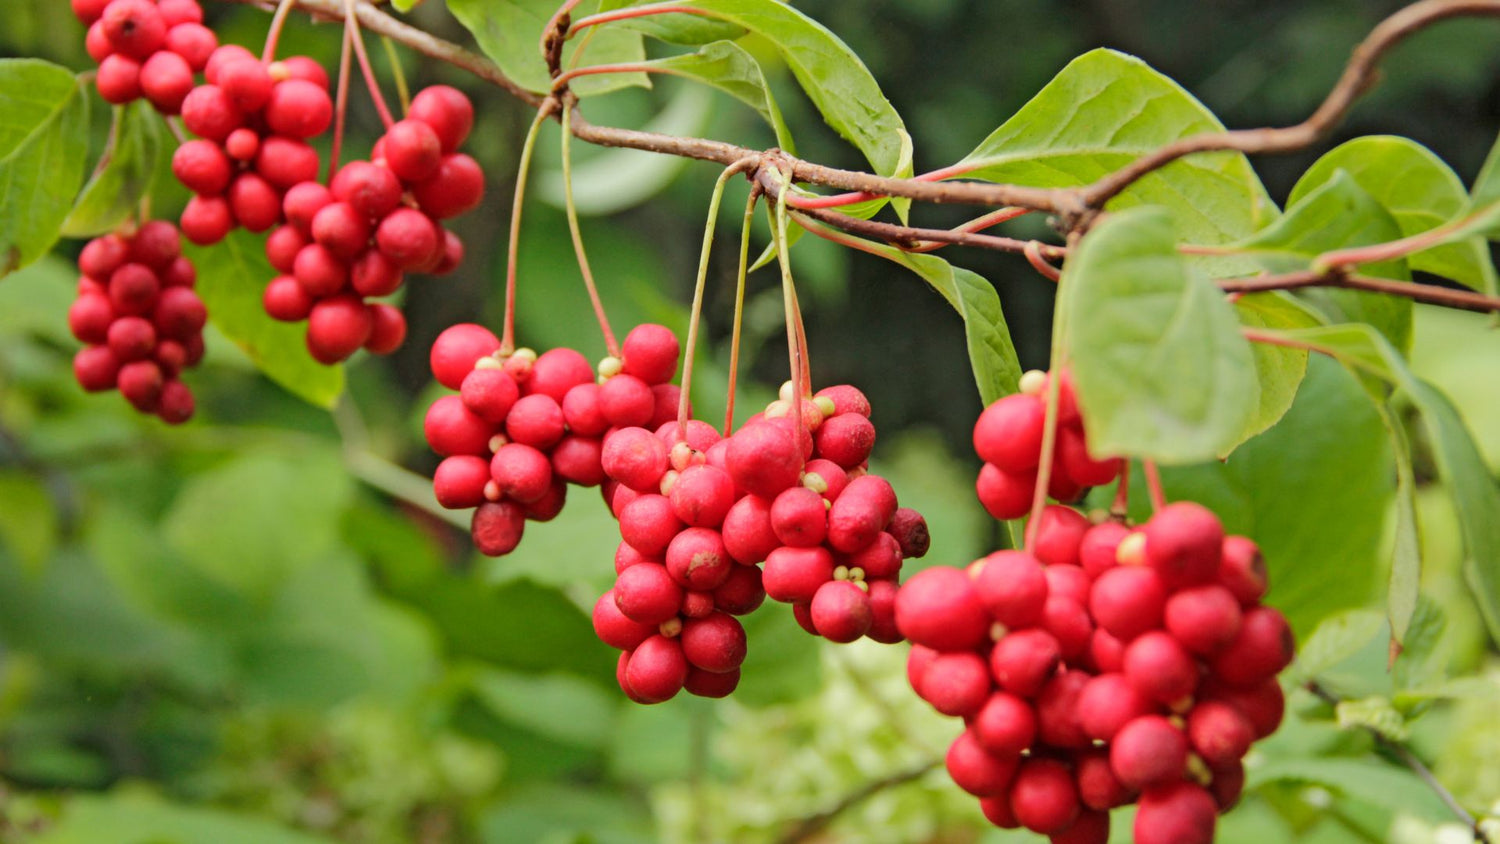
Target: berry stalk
795 351
351 17
508 335
273 34
739 304
577 234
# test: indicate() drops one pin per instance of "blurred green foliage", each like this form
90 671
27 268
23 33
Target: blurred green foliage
239 632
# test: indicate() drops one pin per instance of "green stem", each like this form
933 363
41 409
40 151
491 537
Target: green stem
739 305
508 336
403 92
577 234
789 301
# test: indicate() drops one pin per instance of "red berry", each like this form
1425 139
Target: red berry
89 11
135 28
179 313
863 510
286 300
1096 553
715 643
373 190
497 527
194 42
626 401
247 83
763 459
747 530
579 460
649 525
1179 813
285 162
1074 459
650 353
202 167
319 271
881 559
1107 703
282 246
1057 714
118 79
133 289
1098 787
176 12
455 351
452 429
997 811
1127 601
1242 570
1005 495
256 204
1043 796
96 369
741 592
1005 724
976 770
1160 668
103 255
1090 828
303 202
708 684
176 404
209 113
657 669
535 420
882 595
301 67
799 517
647 594
454 188
156 244
1184 544
616 629
206 219
1058 534
1263 703
1013 588
407 237
166 79
956 684
90 317
490 393
1219 732
940 608
340 229
179 273
1023 661
702 496
1263 646
298 109
1203 618
140 382
412 150
846 399
373 274
841 612
458 481
696 559
793 575
636 458
447 111
557 371
846 439
224 55
1009 433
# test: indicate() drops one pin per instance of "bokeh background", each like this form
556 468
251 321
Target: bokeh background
245 631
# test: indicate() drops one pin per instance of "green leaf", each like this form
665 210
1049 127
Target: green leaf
231 278
1372 713
726 66
28 520
1336 214
1484 196
1155 350
1278 370
1314 492
688 30
562 707
114 192
1369 780
834 78
252 522
1423 661
1476 496
139 819
1106 109
44 145
997 370
510 33
1406 547
1420 191
1337 638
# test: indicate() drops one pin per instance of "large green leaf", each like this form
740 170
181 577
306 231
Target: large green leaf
1336 214
1106 109
510 32
1155 350
231 278
1314 491
726 66
997 370
1420 191
1484 196
1339 637
1278 370
1405 582
1476 496
114 192
44 145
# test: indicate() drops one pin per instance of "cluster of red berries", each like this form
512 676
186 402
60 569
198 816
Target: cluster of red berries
523 426
1105 667
253 121
143 323
698 513
376 220
146 48
1008 438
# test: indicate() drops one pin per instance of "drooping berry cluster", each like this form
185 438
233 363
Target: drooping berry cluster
253 121
1008 438
523 426
376 221
146 48
1105 667
698 513
143 323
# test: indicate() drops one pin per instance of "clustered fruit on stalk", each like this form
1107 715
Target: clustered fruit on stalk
1104 666
523 426
146 48
698 513
143 323
1008 438
376 221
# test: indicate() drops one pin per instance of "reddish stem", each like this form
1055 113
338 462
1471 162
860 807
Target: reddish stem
978 224
599 69
1033 253
1153 485
351 16
633 12
1120 508
552 24
273 34
1049 447
341 101
840 199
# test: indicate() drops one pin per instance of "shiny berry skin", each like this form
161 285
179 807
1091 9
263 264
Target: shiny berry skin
657 669
1160 668
337 327
940 608
285 162
373 190
696 559
246 82
1179 813
141 382
1005 495
715 643
1184 544
206 219
1127 601
166 78
1024 660
650 353
647 594
118 79
1043 796
255 203
286 300
299 109
202 167
1148 751
1263 646
794 575
1013 587
763 459
458 482
456 350
447 111
407 237
209 113
176 404
135 28
1008 433
412 150
976 770
194 42
96 368
497 527
841 611
454 188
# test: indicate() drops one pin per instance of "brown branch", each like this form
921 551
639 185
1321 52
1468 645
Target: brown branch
1358 77
1430 294
813 824
1416 765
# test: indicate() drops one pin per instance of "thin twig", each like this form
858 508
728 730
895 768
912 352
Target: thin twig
1410 760
1431 294
810 826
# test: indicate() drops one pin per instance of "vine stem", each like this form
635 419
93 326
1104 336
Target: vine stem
1049 445
1417 766
1336 276
739 304
684 403
577 234
341 101
808 828
1153 485
632 12
273 34
838 200
1033 253
994 218
795 351
508 334
1119 509
351 14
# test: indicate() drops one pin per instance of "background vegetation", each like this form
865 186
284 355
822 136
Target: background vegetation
234 632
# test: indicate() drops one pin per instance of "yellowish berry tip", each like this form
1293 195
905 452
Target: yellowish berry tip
825 406
1032 382
610 366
